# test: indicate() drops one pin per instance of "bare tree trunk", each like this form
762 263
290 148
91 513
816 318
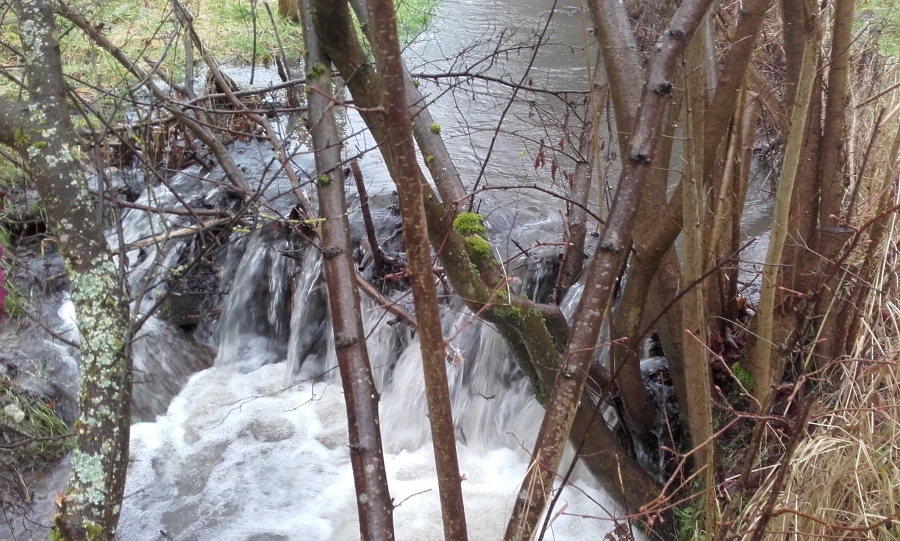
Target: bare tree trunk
764 367
799 262
656 227
533 332
831 236
434 152
697 404
41 131
386 48
581 186
734 73
366 457
604 270
620 57
619 49
746 131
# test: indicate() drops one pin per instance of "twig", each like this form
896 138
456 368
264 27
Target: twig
512 100
377 254
29 441
287 69
384 302
178 233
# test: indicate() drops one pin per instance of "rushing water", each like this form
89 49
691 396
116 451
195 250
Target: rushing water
255 448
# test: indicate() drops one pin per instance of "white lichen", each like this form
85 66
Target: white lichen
88 478
14 412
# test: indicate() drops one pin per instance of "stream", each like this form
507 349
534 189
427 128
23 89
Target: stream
255 446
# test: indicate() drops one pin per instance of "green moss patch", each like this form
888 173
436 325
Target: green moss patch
470 223
481 246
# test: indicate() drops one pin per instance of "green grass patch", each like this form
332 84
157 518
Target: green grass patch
30 422
885 15
147 32
413 17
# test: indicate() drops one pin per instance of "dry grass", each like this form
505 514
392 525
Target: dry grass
843 480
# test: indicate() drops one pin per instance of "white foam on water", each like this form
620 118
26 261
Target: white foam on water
240 457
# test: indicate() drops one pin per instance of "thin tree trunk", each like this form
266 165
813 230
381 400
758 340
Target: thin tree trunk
434 152
620 57
801 26
374 247
604 270
523 325
386 48
731 79
656 227
831 238
374 503
581 191
698 403
746 132
763 367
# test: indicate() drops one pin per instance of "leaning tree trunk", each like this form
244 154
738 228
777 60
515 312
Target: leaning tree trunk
41 131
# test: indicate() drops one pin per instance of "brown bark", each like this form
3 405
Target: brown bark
604 270
656 227
773 328
801 32
849 317
697 404
719 126
666 286
386 48
374 503
617 44
731 79
573 262
41 131
746 132
374 247
620 56
831 172
431 144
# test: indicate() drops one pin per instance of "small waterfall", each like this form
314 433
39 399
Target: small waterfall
310 329
255 446
254 327
244 453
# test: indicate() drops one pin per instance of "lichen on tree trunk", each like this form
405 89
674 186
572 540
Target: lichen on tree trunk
41 131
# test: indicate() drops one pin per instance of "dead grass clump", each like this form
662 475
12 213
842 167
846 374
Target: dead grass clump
844 479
